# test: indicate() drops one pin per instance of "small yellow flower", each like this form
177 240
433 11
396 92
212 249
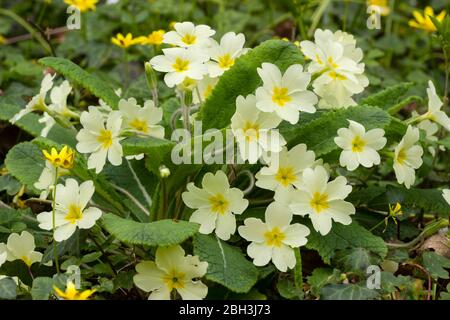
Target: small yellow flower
125 42
82 5
2 39
72 293
424 21
154 38
172 25
63 159
383 5
394 212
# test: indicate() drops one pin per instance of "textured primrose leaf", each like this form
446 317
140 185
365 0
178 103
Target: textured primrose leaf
8 289
388 97
158 233
243 79
84 79
42 288
147 145
343 237
321 277
318 130
436 264
226 264
348 292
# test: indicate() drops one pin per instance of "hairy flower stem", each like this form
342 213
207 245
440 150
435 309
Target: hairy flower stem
55 251
298 273
185 111
446 77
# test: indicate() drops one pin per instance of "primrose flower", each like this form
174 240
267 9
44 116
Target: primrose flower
71 292
170 271
20 247
82 5
99 139
223 55
186 34
37 103
155 38
286 94
125 42
216 204
253 130
48 122
48 178
141 119
64 158
445 195
71 212
179 64
281 176
275 239
434 112
382 6
408 157
358 146
321 200
58 97
204 89
424 22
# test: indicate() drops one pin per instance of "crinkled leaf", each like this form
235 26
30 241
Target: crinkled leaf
348 292
436 264
8 289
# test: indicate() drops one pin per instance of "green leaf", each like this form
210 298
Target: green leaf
348 292
243 79
391 283
343 237
226 264
355 260
42 288
25 162
89 257
8 289
9 184
8 215
388 97
158 233
82 78
321 277
288 290
436 264
318 130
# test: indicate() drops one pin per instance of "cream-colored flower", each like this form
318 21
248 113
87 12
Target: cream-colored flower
446 195
170 271
143 120
275 239
408 157
186 34
180 64
47 179
100 139
204 89
254 130
358 146
70 211
224 55
434 112
286 94
20 247
216 204
323 201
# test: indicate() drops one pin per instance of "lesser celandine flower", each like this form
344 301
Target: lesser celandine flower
37 103
20 247
64 159
358 146
223 55
275 238
125 41
408 157
423 21
172 271
70 210
155 38
281 176
254 130
82 5
321 200
71 292
100 139
285 94
216 204
179 64
143 120
186 34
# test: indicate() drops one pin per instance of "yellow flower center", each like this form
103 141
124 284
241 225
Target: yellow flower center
285 176
105 138
337 76
319 202
358 144
181 65
26 260
332 63
174 280
226 61
319 61
139 125
74 213
251 131
275 237
189 39
280 96
401 157
208 91
219 204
